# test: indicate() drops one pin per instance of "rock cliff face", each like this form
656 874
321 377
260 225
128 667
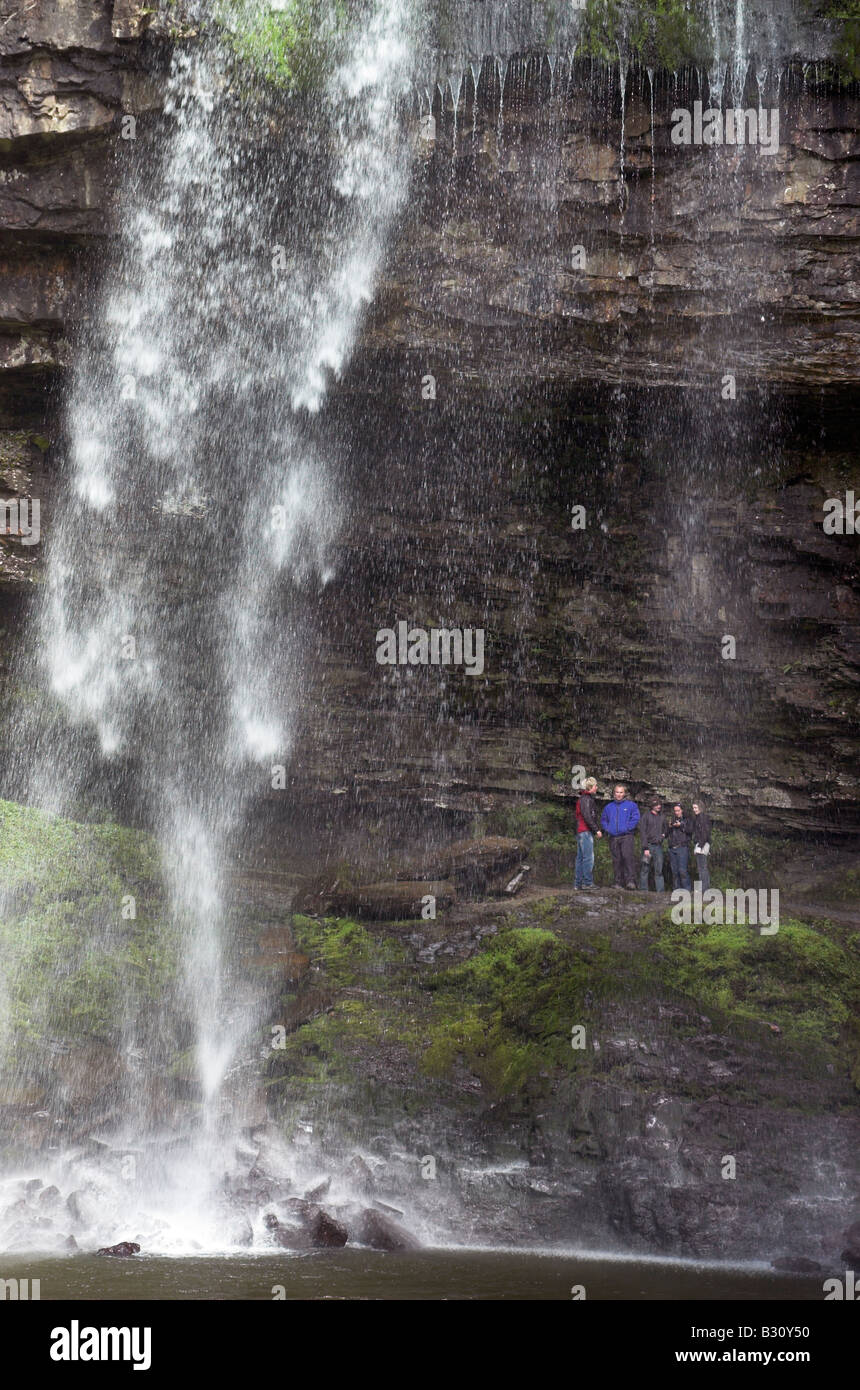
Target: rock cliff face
577 286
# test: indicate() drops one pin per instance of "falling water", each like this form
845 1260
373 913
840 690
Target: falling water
235 299
650 72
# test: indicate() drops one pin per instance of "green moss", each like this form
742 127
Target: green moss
667 34
344 949
291 48
507 1013
72 964
805 979
846 14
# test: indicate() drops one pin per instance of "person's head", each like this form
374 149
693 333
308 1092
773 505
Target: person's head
619 791
698 806
590 785
656 804
678 809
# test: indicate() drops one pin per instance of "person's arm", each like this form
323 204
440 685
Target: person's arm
634 821
604 819
645 850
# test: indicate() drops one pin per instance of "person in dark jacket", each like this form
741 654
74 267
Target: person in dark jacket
620 818
652 833
586 828
702 842
680 830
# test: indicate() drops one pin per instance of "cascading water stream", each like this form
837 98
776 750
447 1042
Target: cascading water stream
224 319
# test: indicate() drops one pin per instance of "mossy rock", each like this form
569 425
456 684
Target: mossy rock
75 960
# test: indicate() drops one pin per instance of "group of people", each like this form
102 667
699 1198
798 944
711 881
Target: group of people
659 832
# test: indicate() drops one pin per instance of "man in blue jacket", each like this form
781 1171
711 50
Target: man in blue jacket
620 818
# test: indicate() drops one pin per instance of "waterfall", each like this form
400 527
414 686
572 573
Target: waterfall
234 300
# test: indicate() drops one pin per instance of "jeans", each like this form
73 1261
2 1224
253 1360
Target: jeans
657 860
584 873
705 877
678 858
623 860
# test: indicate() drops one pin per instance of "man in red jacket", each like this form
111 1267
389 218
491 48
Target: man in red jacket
586 829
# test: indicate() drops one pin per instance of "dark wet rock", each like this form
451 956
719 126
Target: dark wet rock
851 1236
286 1236
326 1233
49 1196
300 1207
70 1243
796 1264
318 1229
305 1006
251 1190
315 1194
391 1211
477 864
86 1072
393 901
276 952
122 1250
377 1230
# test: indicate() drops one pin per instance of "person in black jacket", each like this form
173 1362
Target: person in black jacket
652 834
702 842
680 830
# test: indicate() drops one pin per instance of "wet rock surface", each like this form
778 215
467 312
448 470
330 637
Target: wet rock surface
378 1231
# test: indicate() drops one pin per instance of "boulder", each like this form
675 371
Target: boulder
287 1237
326 1233
381 1233
122 1250
475 864
393 901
